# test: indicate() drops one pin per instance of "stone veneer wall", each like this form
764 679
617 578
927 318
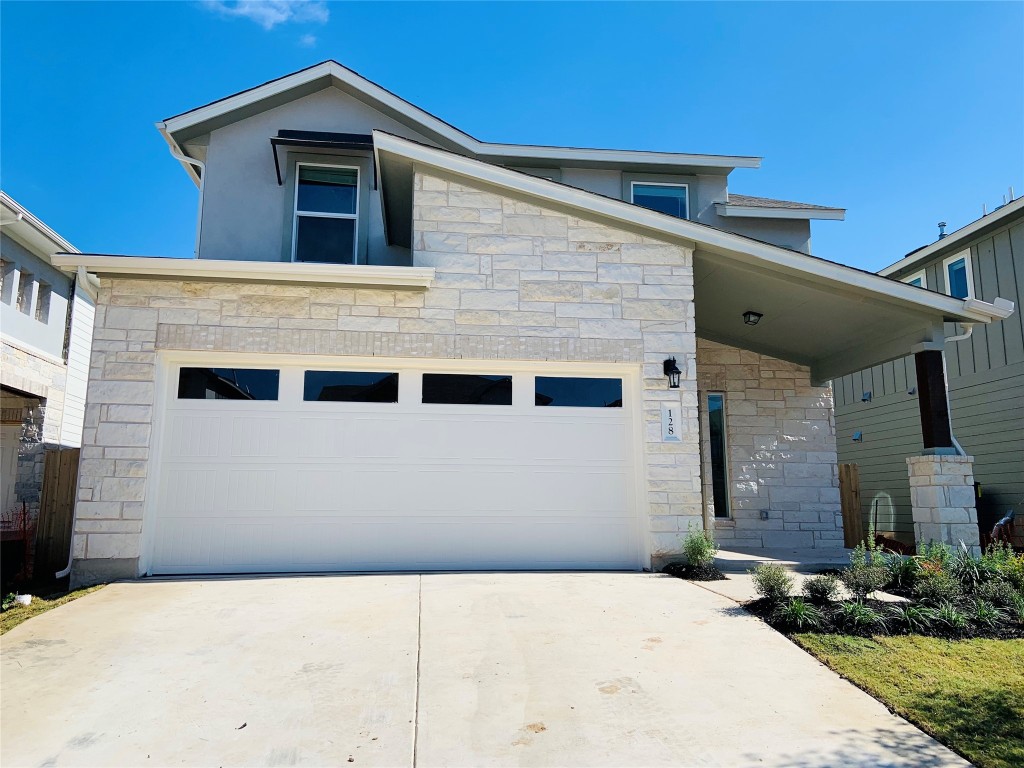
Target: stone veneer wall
943 501
781 442
514 282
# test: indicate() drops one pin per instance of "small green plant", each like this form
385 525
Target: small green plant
936 588
987 615
857 617
798 614
821 589
969 570
699 547
947 614
8 600
864 580
933 556
902 571
1017 609
999 592
772 582
912 618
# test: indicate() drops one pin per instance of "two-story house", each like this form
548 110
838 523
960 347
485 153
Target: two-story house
876 408
46 318
402 348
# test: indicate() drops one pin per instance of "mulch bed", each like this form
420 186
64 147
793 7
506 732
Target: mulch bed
694 572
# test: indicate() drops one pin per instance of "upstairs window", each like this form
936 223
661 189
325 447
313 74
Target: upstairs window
664 198
918 279
326 213
957 270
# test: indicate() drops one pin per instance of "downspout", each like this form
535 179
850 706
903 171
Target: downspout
178 155
968 330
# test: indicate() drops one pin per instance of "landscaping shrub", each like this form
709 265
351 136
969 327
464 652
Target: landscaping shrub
699 548
798 614
858 618
999 592
947 614
912 618
933 556
772 582
970 571
863 580
901 571
986 615
821 589
937 587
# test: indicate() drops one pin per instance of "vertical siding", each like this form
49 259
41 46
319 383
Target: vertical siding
986 386
83 312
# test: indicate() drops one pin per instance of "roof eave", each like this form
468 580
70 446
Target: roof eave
750 211
24 218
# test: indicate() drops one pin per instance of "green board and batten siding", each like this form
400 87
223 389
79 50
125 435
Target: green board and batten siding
986 389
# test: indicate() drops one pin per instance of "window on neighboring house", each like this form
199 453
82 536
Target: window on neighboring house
43 302
228 384
917 279
466 389
326 214
26 287
9 278
664 198
719 454
957 270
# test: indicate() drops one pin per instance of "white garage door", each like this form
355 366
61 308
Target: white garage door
384 467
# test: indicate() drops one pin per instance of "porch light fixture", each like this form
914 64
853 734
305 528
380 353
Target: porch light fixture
752 318
672 372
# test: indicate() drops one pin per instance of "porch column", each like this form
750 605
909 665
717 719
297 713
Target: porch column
941 481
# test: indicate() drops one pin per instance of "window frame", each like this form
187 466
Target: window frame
968 269
909 279
725 456
632 193
44 293
320 214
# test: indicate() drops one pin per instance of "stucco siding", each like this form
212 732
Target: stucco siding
23 327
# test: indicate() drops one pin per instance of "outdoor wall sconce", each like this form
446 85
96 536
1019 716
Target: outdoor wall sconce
672 372
752 318
866 397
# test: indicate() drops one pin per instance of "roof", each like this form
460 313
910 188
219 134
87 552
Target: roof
25 227
834 318
180 128
767 207
960 238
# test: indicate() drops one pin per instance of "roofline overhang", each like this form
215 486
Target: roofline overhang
28 227
160 267
828 214
956 239
433 124
762 255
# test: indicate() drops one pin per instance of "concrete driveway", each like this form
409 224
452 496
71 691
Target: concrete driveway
439 670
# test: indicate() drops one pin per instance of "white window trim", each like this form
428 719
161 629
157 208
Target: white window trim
320 214
911 278
968 266
633 185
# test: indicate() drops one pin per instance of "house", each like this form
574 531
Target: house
402 348
877 408
46 318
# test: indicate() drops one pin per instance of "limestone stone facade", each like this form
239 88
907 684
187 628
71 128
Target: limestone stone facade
943 500
781 443
513 282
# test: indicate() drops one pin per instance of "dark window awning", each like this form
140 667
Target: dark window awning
317 140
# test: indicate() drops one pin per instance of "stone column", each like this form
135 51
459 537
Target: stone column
943 501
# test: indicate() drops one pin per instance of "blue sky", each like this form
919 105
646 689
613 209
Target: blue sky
906 114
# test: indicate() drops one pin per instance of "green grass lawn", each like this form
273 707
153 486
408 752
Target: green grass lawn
15 615
969 694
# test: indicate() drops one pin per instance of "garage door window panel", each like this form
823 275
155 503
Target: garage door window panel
577 392
466 389
326 214
350 387
228 384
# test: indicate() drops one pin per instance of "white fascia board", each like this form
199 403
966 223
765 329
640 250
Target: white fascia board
767 256
189 168
955 239
413 113
247 271
831 214
26 226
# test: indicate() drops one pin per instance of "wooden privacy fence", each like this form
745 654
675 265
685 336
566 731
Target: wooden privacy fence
56 507
849 497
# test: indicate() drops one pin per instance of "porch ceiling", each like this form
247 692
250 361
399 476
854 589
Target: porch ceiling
833 330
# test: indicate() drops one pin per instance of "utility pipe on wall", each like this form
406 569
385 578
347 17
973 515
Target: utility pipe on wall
968 330
177 155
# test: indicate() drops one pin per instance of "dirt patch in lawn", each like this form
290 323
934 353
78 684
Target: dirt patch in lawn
18 614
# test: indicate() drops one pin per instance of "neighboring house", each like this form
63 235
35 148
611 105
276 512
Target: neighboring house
877 408
402 348
46 319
